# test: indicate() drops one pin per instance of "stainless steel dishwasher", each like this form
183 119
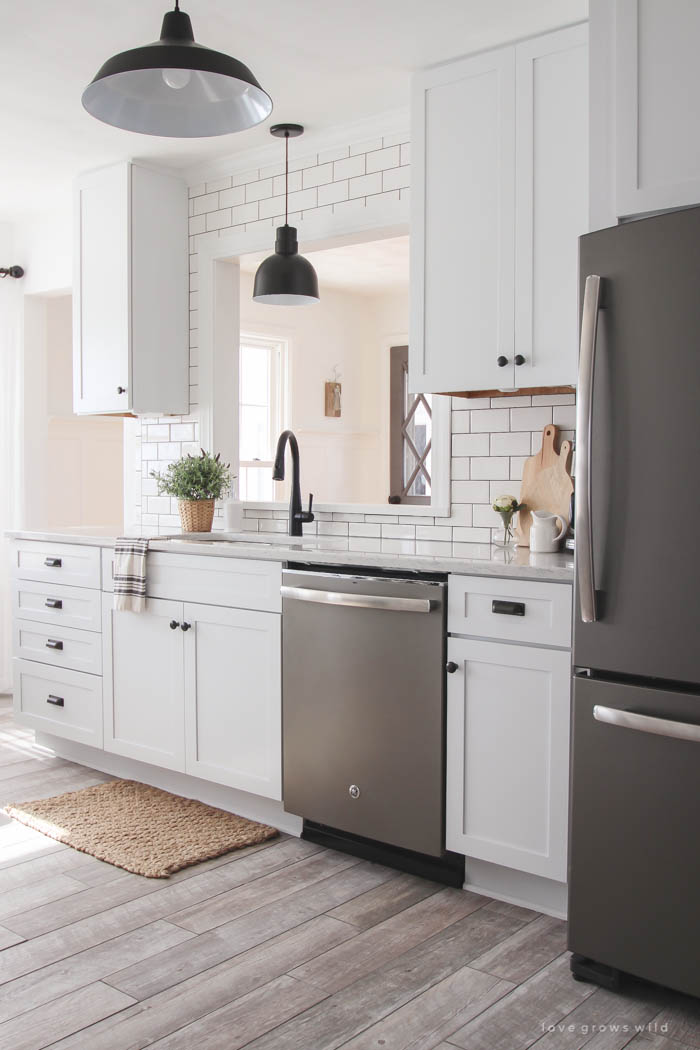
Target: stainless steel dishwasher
363 707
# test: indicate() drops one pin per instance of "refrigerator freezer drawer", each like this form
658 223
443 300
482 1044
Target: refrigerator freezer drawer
634 855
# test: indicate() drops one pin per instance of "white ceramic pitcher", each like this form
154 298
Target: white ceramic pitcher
544 538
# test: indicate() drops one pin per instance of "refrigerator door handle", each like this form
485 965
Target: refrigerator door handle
584 419
647 723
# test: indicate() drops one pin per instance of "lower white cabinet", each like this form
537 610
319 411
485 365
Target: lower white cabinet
144 696
195 688
508 755
233 726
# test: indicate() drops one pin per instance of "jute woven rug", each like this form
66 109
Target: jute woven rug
139 828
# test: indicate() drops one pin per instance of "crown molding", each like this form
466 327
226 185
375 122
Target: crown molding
390 122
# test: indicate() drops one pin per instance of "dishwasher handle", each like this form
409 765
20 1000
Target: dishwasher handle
360 601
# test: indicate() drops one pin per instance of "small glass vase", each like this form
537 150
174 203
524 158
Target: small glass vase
507 540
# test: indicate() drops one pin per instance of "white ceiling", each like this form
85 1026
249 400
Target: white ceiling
372 268
325 64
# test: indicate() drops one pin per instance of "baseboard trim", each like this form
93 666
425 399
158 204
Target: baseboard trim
254 807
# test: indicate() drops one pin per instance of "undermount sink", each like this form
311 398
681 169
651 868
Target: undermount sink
217 540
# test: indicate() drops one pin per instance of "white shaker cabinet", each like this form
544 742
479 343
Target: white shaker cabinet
507 755
143 686
130 292
656 84
232 698
500 195
196 688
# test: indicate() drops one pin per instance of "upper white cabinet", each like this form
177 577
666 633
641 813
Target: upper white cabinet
500 196
130 292
657 120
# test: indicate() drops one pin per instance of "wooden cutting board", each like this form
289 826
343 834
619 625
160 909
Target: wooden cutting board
547 483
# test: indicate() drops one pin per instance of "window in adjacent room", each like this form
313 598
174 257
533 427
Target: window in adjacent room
261 414
410 436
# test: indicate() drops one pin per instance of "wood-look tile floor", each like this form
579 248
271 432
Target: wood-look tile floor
284 946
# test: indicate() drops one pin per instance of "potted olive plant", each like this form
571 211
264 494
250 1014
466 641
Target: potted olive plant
196 482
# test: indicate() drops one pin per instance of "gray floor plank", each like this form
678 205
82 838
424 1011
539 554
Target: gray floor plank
72 1013
263 891
384 901
522 1016
377 946
238 1023
7 938
526 952
176 964
425 1021
51 982
682 1017
350 1011
198 996
49 917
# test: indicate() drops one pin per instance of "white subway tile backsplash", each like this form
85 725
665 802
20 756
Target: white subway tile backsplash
470 444
398 532
349 169
158 433
217 220
317 176
564 416
396 178
460 468
553 399
530 418
378 160
461 422
471 535
327 156
334 192
433 532
489 467
368 146
219 184
470 491
364 185
488 420
332 528
229 198
513 444
207 202
364 529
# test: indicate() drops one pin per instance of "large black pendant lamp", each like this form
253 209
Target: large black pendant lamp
176 87
286 278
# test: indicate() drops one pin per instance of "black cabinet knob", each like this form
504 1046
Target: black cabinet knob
451 667
501 361
121 389
174 625
55 701
54 603
53 563
52 643
185 626
519 359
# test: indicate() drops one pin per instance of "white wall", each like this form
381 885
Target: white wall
344 459
73 466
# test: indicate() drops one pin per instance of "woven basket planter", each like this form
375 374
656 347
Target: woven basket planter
196 515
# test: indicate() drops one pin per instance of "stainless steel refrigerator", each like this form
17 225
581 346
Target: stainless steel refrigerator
634 853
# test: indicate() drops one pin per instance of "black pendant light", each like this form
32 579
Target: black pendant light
176 87
286 278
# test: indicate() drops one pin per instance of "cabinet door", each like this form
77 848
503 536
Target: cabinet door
551 203
508 755
234 698
657 84
143 685
462 225
101 308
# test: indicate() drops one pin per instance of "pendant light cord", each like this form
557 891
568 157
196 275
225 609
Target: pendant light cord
286 178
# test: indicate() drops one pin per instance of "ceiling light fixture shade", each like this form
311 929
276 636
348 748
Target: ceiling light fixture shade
286 278
175 87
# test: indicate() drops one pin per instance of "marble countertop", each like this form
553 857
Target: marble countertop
410 555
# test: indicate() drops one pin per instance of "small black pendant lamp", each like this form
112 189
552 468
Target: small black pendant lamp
176 87
286 278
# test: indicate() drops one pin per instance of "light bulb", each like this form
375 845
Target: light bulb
177 78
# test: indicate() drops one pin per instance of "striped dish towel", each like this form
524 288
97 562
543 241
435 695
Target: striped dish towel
130 574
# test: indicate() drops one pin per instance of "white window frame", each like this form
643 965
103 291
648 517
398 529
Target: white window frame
278 417
219 325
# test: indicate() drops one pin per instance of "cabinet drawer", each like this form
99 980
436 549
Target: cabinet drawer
65 703
235 582
56 563
59 646
510 610
56 604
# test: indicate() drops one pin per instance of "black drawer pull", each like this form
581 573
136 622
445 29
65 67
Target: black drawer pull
53 603
53 563
508 608
53 644
57 701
